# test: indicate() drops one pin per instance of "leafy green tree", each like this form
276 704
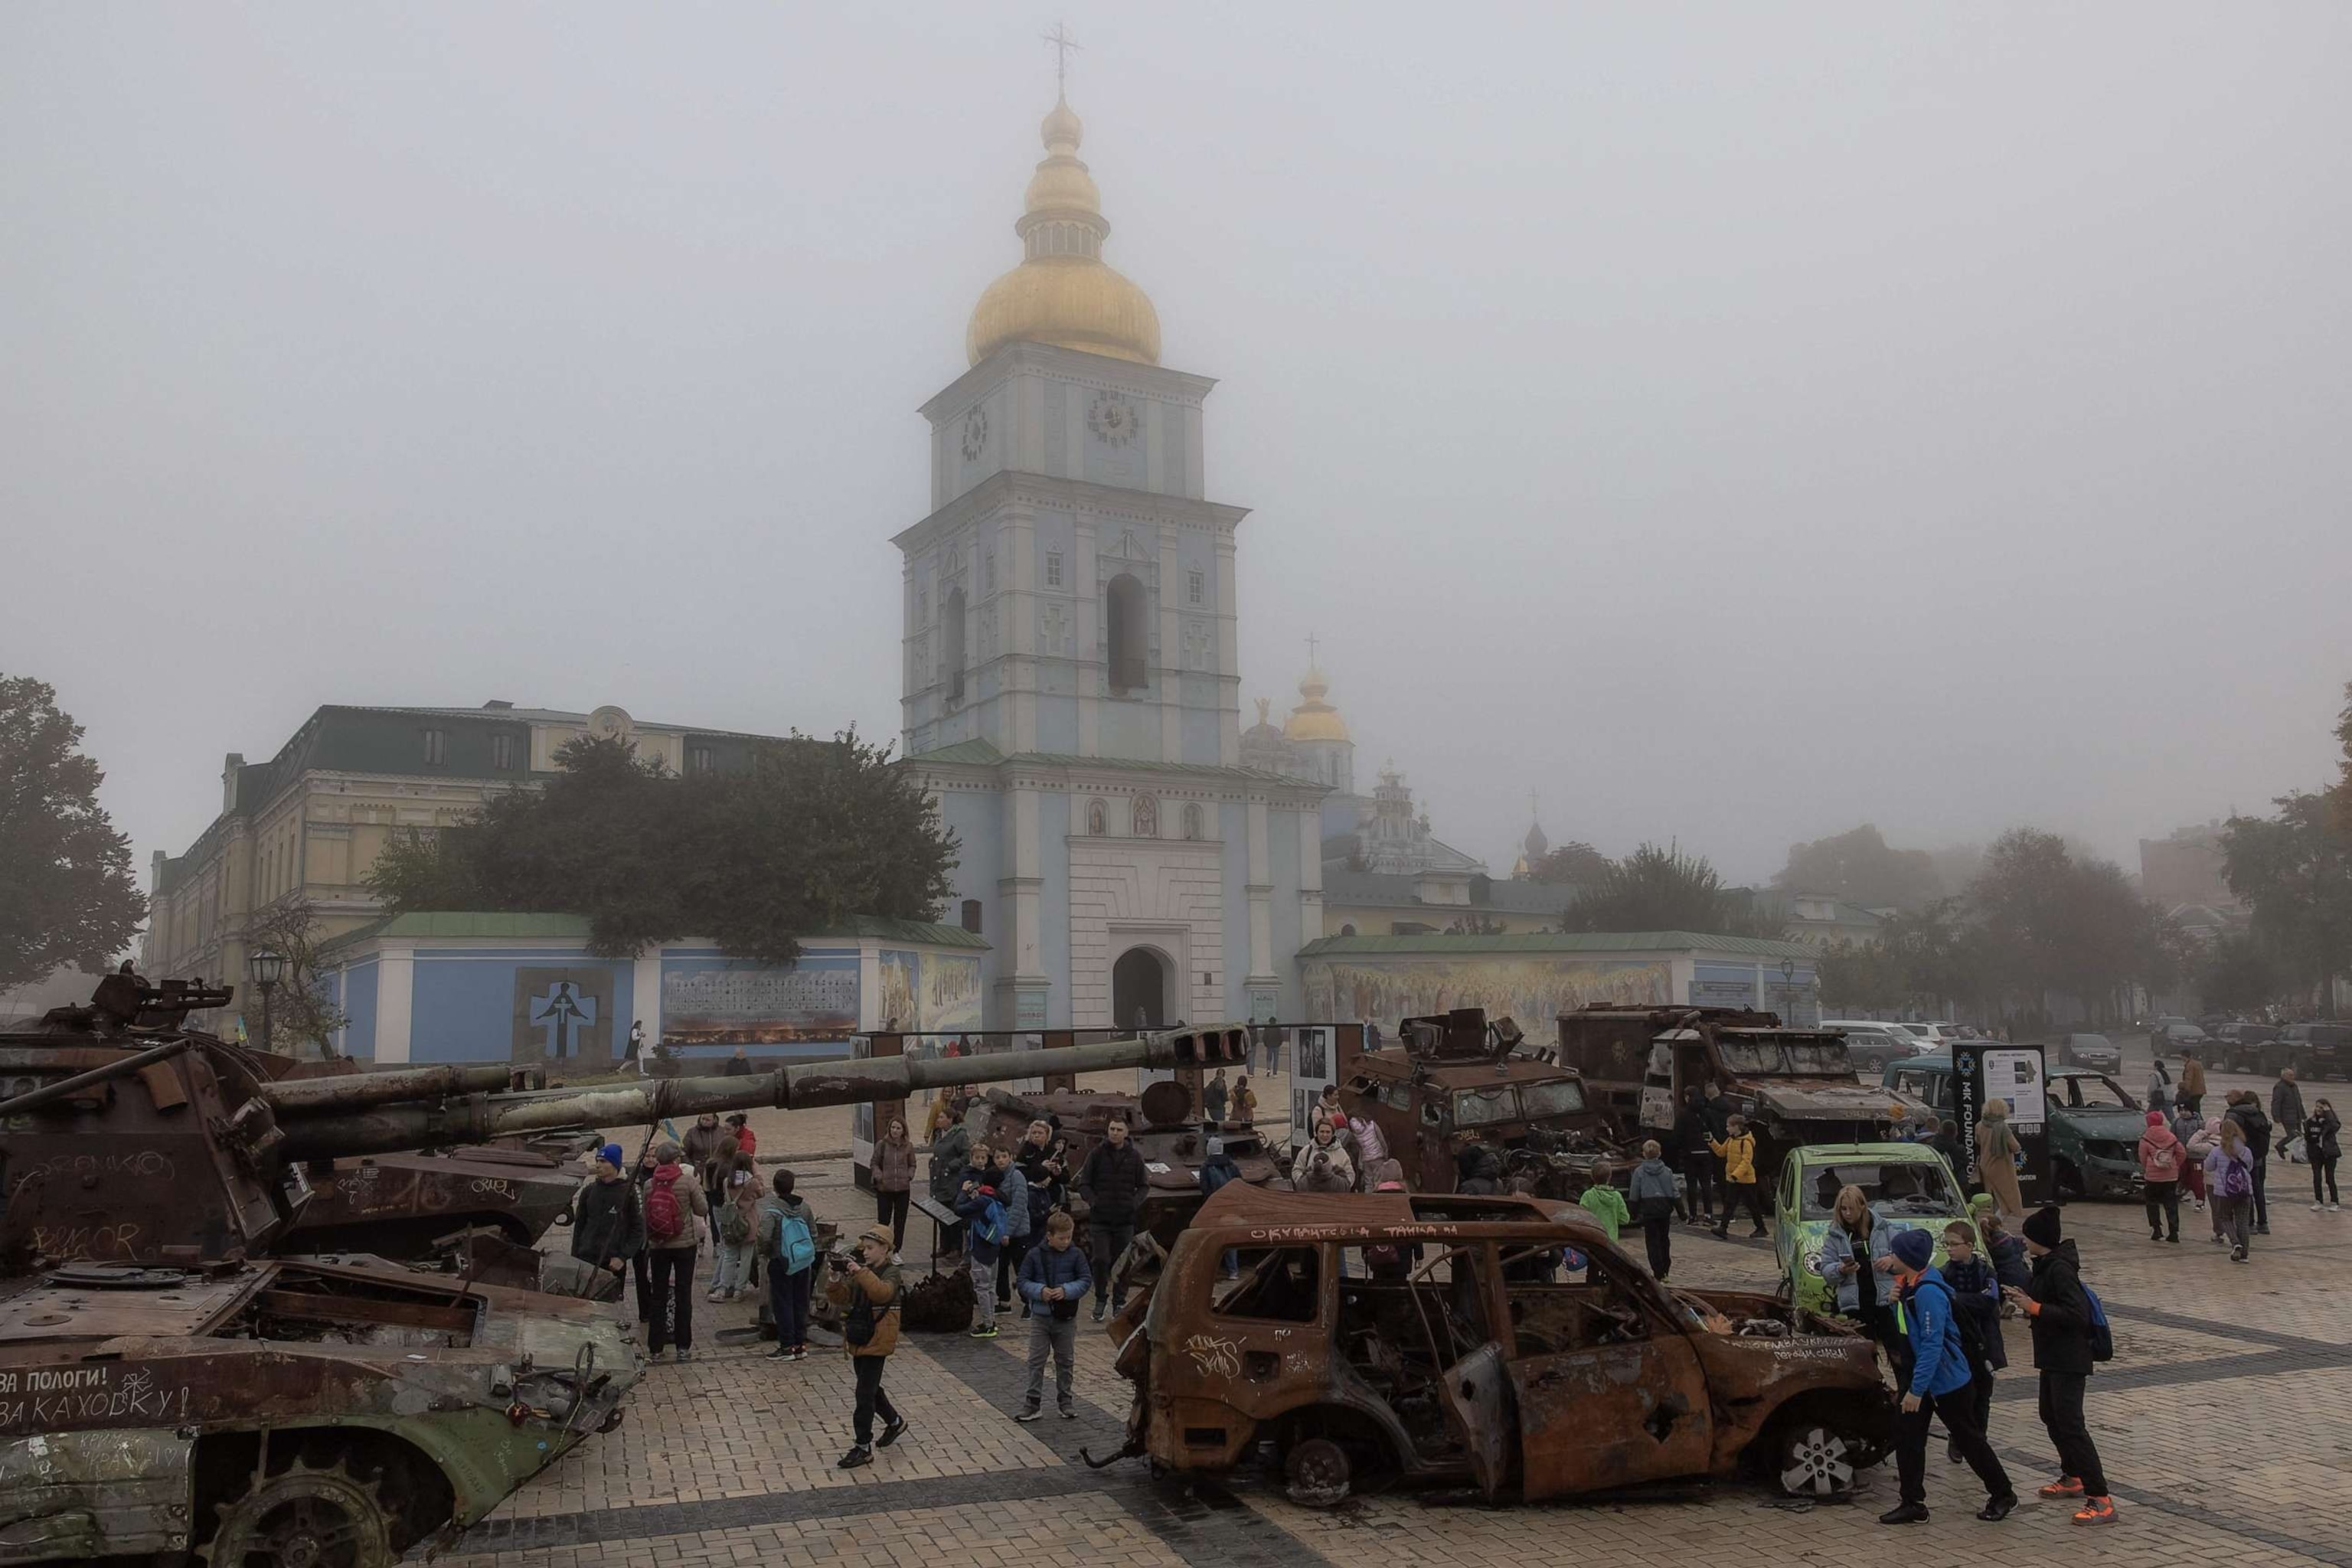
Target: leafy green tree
813 833
2293 869
1861 867
1657 889
1576 864
2238 975
67 894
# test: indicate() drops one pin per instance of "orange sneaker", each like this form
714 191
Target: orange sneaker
2071 1486
2096 1511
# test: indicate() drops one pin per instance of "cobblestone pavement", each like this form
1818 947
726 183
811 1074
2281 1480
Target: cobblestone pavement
2225 1420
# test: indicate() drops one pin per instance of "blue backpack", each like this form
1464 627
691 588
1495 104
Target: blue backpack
795 1246
989 1226
2103 1338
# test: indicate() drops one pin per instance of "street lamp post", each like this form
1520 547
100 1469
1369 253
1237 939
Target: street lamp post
1788 991
269 967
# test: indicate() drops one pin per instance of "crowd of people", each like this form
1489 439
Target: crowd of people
1942 1328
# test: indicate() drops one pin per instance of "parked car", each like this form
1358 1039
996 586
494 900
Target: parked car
1908 1185
1504 1342
2094 1124
2095 1051
2241 1047
2318 1050
2172 1036
1871 1045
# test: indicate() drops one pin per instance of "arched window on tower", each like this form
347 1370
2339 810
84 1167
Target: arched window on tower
1129 616
1192 820
951 642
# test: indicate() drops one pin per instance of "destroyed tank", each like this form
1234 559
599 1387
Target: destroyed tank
173 1382
1160 1125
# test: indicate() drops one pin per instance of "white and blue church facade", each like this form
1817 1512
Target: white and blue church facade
1072 695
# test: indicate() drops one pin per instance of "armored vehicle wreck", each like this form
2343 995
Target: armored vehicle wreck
1458 1085
174 1379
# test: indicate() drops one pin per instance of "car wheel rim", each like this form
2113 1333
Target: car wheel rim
1818 1461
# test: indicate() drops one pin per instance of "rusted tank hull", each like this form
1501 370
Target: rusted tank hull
398 1206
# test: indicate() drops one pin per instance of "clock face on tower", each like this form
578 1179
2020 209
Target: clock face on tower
975 435
1112 418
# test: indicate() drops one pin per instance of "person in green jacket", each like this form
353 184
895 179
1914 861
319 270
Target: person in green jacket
1604 1202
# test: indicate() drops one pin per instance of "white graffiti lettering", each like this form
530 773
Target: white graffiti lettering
69 1396
494 1186
146 1164
1214 1357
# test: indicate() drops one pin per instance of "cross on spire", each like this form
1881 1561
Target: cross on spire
1063 44
1310 651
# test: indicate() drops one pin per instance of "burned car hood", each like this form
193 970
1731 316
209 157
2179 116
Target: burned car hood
1830 1098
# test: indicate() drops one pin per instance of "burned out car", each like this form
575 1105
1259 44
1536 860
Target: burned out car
1500 1343
1456 1083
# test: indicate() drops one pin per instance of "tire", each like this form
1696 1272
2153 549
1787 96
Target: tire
1317 1472
326 1518
1814 1459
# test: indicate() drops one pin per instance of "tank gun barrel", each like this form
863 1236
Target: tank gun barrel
314 1096
480 1118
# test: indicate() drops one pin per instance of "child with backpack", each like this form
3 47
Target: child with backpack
2162 1162
2069 1333
986 1232
1970 1275
738 1213
2229 1178
786 1236
1945 1362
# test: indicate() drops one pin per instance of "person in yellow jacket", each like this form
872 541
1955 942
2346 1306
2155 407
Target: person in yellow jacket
1737 1150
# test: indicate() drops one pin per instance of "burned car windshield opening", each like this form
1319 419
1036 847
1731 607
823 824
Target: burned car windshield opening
1788 1058
1896 1188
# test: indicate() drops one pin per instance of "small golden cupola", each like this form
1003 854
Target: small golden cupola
1313 719
1062 293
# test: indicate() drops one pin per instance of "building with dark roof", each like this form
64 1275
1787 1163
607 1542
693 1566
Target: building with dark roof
311 820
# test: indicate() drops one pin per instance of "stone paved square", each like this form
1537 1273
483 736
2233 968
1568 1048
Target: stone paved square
2226 1421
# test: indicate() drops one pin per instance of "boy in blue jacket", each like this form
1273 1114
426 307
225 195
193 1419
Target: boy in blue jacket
1941 1379
1054 1279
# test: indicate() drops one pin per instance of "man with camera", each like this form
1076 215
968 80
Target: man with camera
865 1283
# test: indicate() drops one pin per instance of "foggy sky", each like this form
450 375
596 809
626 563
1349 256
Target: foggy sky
1735 422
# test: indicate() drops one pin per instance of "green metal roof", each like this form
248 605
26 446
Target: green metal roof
983 753
483 923
1557 941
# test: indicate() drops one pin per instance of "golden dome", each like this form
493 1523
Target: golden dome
1313 719
1062 293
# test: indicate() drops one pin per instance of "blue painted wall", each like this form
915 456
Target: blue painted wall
356 985
463 1007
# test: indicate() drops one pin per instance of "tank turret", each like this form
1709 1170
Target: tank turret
132 1139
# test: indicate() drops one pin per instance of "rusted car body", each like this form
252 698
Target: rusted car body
261 1411
1793 1086
1173 1145
1436 1339
1456 1081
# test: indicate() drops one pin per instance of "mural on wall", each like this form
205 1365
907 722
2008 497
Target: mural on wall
563 1014
1532 991
714 1002
950 991
899 1006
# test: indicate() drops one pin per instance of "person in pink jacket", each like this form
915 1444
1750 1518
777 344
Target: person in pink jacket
2163 1160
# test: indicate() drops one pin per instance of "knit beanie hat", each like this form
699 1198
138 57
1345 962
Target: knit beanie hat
1913 1248
2041 1227
611 1154
2155 1119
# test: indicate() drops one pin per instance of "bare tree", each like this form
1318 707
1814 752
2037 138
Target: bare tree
302 1014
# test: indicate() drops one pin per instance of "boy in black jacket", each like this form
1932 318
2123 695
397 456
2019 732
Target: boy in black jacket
2060 1315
